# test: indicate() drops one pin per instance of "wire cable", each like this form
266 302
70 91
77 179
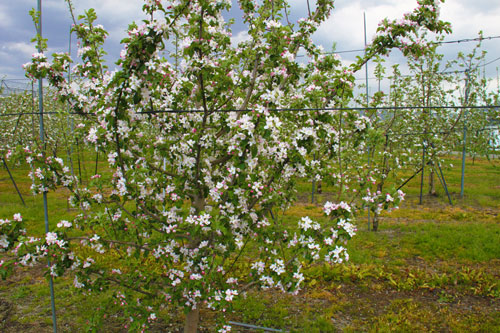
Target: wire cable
381 108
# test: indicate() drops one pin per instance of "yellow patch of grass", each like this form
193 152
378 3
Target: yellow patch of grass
301 210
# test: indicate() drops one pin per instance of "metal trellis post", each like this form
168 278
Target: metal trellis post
367 104
42 139
70 118
464 140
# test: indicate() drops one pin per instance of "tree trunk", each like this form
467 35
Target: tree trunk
432 184
375 222
191 323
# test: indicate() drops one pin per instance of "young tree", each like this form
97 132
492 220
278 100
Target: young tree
385 153
201 155
473 89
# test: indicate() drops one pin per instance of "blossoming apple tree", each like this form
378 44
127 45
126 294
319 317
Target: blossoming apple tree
202 155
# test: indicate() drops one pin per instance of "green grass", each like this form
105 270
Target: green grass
468 241
456 241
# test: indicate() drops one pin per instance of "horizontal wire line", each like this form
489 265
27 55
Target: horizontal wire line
465 40
330 109
382 108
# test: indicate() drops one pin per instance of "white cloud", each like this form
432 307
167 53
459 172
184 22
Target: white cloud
114 15
478 6
5 20
345 26
240 37
55 4
466 22
120 12
299 7
18 49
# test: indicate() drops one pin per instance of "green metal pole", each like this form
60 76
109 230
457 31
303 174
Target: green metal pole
367 103
464 140
70 117
42 139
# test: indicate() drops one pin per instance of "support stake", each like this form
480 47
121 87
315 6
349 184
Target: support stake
13 181
443 182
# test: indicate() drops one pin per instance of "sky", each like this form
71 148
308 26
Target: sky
344 28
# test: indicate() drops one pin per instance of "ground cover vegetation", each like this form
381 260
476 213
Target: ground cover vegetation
430 267
174 185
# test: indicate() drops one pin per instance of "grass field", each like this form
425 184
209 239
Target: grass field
430 267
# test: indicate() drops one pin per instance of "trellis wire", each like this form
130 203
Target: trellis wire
354 108
458 41
9 89
443 72
255 327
